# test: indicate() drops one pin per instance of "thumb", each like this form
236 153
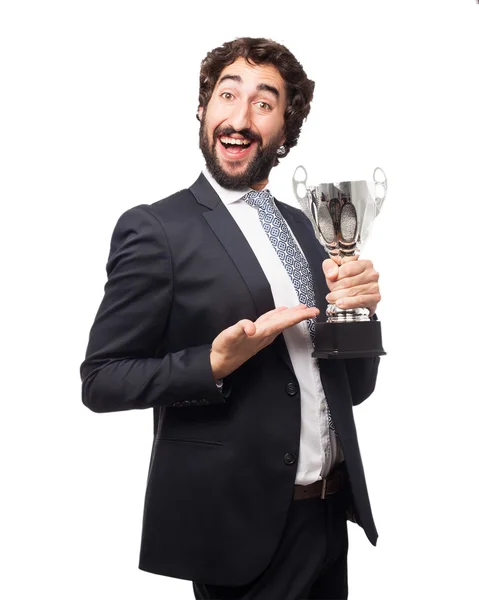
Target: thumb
245 327
330 269
350 258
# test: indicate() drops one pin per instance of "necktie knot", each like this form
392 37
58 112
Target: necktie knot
259 199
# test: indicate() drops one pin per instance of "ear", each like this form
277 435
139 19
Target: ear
199 114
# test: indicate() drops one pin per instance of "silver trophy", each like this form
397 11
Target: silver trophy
342 215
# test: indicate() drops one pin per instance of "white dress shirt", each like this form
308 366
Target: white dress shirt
319 448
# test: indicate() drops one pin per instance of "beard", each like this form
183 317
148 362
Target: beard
258 167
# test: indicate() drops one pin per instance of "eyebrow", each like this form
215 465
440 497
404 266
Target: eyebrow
262 87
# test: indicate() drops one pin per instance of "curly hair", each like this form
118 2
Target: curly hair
260 51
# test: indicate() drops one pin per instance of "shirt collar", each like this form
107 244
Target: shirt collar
226 196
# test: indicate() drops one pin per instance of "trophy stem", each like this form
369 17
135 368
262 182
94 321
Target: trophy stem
348 315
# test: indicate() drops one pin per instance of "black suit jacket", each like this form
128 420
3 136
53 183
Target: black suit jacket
219 485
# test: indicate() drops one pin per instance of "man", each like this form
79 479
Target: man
201 321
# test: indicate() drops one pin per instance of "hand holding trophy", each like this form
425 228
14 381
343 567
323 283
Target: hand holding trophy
342 216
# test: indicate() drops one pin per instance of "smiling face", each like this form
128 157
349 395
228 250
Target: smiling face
243 124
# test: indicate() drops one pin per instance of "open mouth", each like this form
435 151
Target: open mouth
235 145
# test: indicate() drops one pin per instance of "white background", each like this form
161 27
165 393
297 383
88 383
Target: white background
97 115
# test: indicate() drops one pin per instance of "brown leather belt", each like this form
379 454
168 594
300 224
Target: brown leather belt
323 487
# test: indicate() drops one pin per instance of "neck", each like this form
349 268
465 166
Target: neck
260 185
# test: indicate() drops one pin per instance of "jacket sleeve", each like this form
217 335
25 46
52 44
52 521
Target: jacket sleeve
362 374
124 367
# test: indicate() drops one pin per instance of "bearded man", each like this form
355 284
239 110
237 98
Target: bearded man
207 318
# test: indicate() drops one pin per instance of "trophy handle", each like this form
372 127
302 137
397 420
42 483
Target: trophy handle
306 201
381 187
298 181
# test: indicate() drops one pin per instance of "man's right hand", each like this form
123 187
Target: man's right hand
238 343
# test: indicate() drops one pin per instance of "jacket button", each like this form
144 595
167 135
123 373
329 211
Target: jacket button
289 458
176 403
186 403
194 403
291 389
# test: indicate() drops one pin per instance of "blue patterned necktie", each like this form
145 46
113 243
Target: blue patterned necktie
289 253
285 246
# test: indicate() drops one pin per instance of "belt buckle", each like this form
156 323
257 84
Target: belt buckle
323 488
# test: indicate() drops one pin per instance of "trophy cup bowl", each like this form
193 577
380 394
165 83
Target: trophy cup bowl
342 215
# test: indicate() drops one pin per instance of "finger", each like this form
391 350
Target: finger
291 317
369 276
358 290
271 313
351 268
269 330
243 328
362 301
301 310
350 258
249 328
330 269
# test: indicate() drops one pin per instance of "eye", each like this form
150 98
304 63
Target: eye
227 95
264 105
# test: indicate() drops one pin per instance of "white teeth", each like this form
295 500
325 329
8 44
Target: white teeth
227 140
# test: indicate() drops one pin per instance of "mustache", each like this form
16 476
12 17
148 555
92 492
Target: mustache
246 133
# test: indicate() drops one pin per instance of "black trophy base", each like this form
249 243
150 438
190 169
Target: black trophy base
348 340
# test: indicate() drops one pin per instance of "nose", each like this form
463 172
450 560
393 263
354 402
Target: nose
240 117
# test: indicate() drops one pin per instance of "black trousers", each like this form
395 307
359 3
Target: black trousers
309 563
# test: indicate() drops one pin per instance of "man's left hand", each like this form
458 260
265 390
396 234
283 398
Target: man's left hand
353 283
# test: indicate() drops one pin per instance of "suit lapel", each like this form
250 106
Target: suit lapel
235 244
240 252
